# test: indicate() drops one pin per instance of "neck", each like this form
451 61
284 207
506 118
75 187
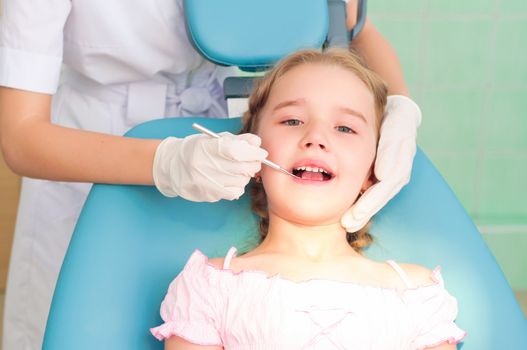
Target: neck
315 243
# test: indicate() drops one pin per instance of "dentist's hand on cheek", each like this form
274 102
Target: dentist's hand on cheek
393 165
205 169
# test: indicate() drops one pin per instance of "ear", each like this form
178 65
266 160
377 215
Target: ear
370 180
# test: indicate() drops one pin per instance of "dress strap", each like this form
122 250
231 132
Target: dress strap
401 273
230 254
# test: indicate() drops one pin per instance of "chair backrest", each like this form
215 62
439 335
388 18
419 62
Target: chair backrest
252 34
130 242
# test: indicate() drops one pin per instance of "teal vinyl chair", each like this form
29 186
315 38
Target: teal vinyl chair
130 241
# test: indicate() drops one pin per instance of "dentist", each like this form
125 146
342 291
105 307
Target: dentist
73 76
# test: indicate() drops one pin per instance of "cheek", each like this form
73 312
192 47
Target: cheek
279 147
357 167
367 165
360 153
268 140
371 147
369 157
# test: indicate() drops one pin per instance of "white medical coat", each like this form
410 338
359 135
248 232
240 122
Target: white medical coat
122 62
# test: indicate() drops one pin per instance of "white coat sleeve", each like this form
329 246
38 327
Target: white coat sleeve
31 43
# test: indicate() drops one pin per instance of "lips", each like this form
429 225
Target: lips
313 170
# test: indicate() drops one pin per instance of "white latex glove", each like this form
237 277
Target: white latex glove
205 169
393 165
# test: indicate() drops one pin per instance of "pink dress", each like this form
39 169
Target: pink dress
251 311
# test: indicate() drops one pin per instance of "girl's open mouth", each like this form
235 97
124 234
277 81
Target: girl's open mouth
312 173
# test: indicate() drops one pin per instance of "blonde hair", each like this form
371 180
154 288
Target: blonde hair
260 94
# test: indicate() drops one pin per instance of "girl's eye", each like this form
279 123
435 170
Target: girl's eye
292 122
345 129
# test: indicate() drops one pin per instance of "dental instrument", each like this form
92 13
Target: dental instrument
267 162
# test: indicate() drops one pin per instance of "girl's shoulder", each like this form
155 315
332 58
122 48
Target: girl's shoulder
200 264
418 275
217 262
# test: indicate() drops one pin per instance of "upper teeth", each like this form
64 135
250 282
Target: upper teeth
313 169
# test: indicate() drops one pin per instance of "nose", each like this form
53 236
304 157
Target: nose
322 146
315 138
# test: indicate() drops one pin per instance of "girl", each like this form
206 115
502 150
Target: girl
307 285
59 128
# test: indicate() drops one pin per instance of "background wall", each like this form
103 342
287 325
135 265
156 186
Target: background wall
466 66
9 188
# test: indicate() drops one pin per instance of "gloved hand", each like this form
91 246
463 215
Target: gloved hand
393 165
206 169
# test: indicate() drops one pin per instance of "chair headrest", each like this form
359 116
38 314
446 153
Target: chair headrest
271 29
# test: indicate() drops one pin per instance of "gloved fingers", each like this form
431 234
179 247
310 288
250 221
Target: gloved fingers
252 139
217 165
403 168
230 181
406 106
222 178
399 124
375 198
245 168
239 149
368 205
207 189
395 128
226 134
395 160
192 194
352 224
234 192
225 192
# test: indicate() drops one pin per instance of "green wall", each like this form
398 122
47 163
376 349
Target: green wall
466 65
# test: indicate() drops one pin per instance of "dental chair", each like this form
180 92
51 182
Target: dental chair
130 241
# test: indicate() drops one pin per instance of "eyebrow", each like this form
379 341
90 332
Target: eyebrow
297 102
353 112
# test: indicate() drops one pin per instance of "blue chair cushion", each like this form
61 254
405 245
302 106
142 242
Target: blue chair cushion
130 242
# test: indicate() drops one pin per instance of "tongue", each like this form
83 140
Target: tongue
311 175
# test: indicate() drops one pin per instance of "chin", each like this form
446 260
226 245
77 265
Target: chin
309 213
307 205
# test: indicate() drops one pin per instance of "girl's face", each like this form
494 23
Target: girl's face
319 124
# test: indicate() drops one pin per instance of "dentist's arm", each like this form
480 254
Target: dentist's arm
32 146
197 167
377 52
